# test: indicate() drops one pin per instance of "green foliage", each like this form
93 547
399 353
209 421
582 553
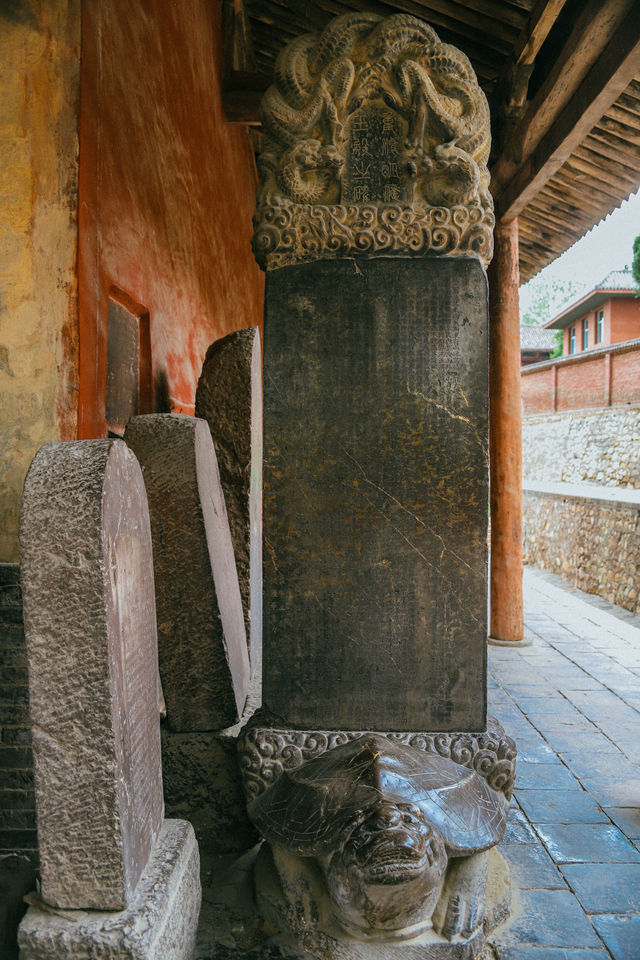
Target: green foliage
557 344
549 297
635 266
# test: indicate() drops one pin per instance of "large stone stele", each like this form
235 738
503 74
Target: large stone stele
204 664
229 398
89 616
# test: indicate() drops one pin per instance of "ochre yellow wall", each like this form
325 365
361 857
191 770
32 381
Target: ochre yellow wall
39 92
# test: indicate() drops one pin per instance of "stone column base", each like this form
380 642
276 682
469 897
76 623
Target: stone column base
159 924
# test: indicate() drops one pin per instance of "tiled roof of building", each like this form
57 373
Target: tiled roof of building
533 337
617 280
618 283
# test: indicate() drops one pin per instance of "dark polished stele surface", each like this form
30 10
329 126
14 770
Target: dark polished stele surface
375 494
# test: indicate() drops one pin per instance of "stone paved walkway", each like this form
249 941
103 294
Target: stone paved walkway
572 701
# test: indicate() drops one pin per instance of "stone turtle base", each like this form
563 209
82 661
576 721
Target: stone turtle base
305 929
159 924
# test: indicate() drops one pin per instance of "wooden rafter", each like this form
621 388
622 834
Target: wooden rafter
569 105
512 86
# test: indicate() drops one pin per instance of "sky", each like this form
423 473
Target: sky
605 248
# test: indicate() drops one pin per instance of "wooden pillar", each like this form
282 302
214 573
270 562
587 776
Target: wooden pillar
505 438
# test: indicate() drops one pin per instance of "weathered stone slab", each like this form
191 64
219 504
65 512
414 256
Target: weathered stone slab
375 501
229 398
159 924
204 664
89 614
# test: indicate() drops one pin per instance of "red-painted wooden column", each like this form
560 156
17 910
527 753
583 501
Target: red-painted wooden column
505 438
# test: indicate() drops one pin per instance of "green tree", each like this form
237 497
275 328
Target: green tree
635 266
557 345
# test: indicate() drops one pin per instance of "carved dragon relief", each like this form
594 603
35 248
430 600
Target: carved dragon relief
318 195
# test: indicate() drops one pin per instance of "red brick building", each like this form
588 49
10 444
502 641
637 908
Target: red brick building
610 313
600 363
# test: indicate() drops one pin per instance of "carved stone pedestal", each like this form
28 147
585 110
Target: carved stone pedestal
379 843
159 924
290 896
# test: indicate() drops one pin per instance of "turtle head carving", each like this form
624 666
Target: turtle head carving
389 872
382 821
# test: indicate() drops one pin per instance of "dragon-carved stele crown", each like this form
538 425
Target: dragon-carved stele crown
376 141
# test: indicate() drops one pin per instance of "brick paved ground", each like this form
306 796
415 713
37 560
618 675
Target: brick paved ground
572 701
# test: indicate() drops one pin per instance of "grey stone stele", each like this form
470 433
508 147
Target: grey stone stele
159 924
229 398
202 647
375 494
90 626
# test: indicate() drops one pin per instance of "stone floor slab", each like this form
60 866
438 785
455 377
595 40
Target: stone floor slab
544 776
531 867
519 830
549 918
560 806
627 818
613 793
587 843
543 953
621 936
605 887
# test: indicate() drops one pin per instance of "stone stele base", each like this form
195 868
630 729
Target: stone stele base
160 923
290 902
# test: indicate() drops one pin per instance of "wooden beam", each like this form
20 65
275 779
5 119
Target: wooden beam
552 143
543 16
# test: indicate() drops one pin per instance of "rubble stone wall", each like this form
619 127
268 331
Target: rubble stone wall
583 446
589 541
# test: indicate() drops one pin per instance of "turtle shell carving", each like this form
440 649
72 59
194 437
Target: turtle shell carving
312 809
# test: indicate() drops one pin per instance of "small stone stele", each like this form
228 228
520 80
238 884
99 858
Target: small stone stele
229 398
204 664
89 614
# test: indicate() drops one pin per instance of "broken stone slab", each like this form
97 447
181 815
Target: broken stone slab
90 626
204 664
229 398
160 923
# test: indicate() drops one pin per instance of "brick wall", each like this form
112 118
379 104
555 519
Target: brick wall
580 385
18 841
17 800
625 378
599 377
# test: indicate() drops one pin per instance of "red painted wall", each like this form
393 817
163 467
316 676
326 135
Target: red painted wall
167 192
